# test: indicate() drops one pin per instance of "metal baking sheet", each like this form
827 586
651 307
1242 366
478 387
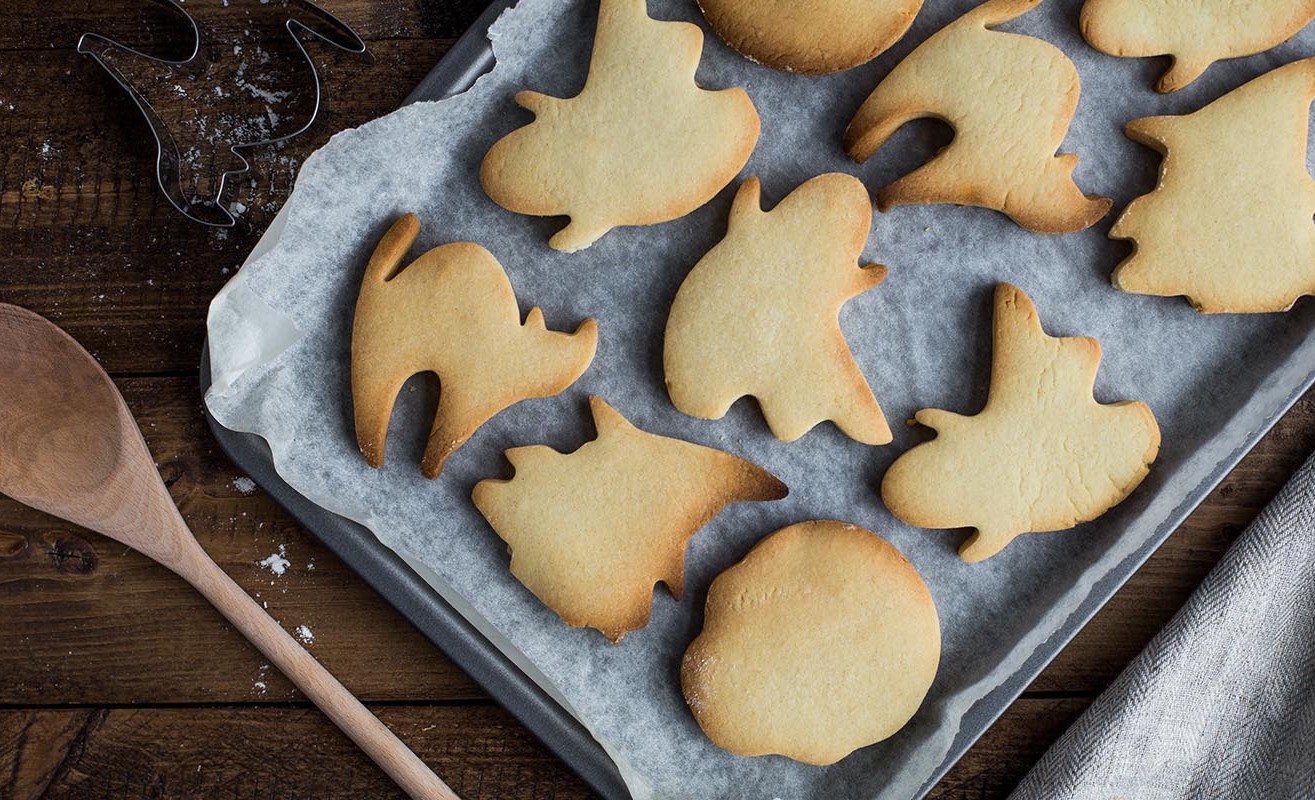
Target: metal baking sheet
388 573
408 591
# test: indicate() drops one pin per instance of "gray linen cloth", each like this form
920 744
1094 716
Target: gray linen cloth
1221 704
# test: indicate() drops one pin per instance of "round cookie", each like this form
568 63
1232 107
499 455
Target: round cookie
824 639
810 36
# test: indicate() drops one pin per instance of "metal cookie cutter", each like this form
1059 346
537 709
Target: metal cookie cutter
197 144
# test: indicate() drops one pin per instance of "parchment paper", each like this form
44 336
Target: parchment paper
280 337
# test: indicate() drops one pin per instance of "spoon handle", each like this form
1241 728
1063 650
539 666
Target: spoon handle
314 681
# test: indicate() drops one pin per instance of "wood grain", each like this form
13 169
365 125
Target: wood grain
83 592
119 681
286 753
74 451
87 240
72 600
147 26
292 753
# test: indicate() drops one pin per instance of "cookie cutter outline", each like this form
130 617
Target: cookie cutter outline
167 156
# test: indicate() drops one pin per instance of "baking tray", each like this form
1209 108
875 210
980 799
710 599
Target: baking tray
382 568
393 578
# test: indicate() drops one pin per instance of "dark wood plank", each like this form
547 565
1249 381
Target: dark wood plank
285 753
1000 759
150 27
291 753
94 624
84 620
85 236
34 748
88 241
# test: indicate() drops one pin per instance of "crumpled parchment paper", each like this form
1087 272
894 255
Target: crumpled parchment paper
280 339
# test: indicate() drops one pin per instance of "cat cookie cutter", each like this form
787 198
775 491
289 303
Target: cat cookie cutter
144 77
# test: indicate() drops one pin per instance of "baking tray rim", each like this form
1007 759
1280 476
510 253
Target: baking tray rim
392 577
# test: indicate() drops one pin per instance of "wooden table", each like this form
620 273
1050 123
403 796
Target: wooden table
118 682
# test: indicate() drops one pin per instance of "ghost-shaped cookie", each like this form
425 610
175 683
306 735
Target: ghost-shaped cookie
451 312
1230 223
642 143
1194 33
1009 99
1042 456
593 531
759 313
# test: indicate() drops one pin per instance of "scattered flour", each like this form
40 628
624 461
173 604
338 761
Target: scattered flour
260 685
244 484
304 634
277 563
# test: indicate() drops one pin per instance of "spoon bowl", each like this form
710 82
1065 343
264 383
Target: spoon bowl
68 444
70 447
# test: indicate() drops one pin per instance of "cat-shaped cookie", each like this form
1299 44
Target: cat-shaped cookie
451 312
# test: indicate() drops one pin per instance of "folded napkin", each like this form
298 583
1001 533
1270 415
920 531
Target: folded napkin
1221 704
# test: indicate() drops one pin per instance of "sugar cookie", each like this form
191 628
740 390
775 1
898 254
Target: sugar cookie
1009 99
1195 33
641 144
1042 456
814 37
759 314
1229 224
451 312
593 531
824 639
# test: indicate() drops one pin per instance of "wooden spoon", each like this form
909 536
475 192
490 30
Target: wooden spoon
69 447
